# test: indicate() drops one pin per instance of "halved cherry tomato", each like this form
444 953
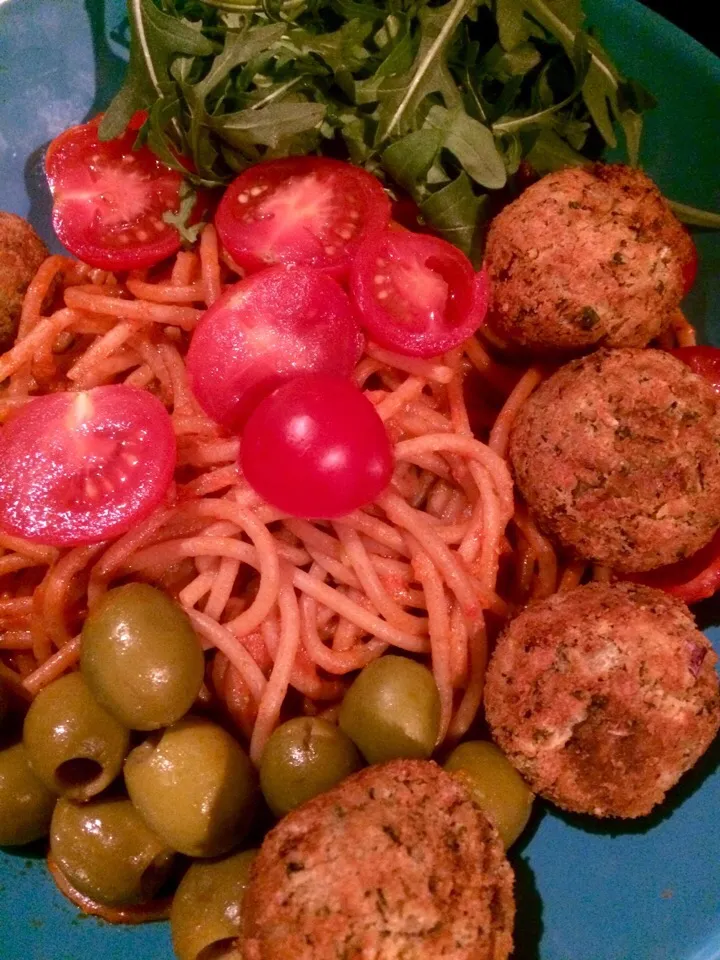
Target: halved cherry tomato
690 267
705 361
78 468
109 200
308 211
693 579
265 329
417 294
316 448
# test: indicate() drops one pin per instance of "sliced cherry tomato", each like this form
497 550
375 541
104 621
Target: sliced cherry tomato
693 579
308 211
78 468
264 330
705 361
417 294
109 200
316 448
690 267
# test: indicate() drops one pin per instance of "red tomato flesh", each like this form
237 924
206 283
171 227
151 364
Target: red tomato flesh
264 330
316 448
109 200
77 468
417 295
308 211
705 361
693 579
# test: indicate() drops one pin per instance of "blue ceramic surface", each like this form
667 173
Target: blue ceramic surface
586 891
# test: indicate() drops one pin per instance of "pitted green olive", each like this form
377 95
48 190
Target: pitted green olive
74 746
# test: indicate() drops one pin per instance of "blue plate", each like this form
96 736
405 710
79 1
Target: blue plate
586 891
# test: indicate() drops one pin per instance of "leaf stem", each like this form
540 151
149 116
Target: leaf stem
459 10
276 93
561 29
695 217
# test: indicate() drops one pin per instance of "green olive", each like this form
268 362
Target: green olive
392 710
141 657
74 746
495 786
206 914
26 804
304 757
107 851
195 787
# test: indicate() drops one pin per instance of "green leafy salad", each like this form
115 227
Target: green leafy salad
444 101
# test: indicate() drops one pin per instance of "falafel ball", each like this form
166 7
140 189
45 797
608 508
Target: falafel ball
585 257
618 457
394 862
21 253
602 697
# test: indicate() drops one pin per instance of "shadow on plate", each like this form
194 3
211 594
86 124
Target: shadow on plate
528 916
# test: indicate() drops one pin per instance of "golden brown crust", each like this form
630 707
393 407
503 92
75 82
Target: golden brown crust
396 862
618 457
587 256
21 253
603 697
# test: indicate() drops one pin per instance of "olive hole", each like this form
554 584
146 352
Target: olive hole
78 772
220 950
155 875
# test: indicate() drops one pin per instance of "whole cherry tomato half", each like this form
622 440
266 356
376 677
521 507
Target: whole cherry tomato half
264 330
77 468
109 200
417 294
304 211
316 448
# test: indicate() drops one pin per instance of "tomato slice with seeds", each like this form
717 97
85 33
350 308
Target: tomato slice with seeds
77 468
266 329
704 360
109 200
307 211
417 294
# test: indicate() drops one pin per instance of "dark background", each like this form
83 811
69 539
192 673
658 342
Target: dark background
693 16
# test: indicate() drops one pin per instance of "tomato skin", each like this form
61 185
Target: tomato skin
425 299
704 361
316 448
78 468
109 200
690 267
694 579
264 330
300 211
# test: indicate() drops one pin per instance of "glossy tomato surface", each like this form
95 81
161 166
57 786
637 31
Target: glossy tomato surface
703 360
264 330
694 579
309 211
77 468
109 200
417 295
316 448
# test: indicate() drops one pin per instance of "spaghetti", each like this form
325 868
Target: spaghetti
290 608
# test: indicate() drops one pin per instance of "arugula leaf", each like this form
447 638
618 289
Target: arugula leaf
401 96
271 124
180 218
445 100
156 38
455 213
472 144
